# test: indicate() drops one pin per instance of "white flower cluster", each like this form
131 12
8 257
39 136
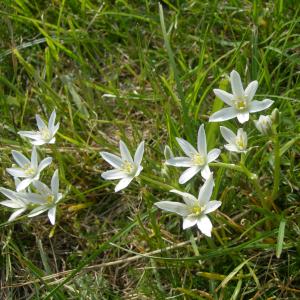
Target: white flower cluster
194 210
30 192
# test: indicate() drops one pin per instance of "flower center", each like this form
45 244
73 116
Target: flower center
196 210
128 167
45 133
28 170
240 103
240 143
198 159
49 199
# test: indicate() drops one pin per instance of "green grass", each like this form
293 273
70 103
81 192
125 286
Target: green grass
125 70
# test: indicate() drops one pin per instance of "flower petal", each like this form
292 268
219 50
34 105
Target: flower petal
243 117
138 171
113 174
236 84
232 148
16 172
44 163
189 221
55 183
123 183
51 214
34 158
15 214
30 134
175 207
188 174
224 96
212 206
228 135
41 188
40 123
256 106
37 211
112 159
180 162
138 156
201 141
20 159
213 155
223 115
186 147
23 184
189 199
12 203
204 225
125 154
52 121
206 191
205 172
251 90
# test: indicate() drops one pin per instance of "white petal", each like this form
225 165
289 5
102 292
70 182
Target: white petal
20 159
188 174
113 174
180 162
38 142
189 199
17 213
175 207
35 198
51 214
223 115
56 127
206 191
42 188
37 211
52 121
24 184
228 135
138 171
15 197
168 153
186 147
112 159
123 183
138 156
212 206
201 141
204 225
30 134
16 172
40 123
44 163
256 106
205 172
251 90
236 84
243 117
224 96
12 203
189 221
34 158
125 154
55 183
232 148
213 155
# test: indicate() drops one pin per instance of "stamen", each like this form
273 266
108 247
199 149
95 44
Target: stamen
198 159
196 210
128 167
45 133
240 103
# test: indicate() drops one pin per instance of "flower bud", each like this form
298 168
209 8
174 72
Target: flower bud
275 116
264 125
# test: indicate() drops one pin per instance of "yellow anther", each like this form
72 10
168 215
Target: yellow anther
198 159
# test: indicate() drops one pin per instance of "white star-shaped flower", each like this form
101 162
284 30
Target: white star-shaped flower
240 101
46 198
236 142
28 169
46 134
125 168
194 211
196 160
264 125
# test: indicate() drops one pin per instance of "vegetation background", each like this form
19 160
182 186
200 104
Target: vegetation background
104 67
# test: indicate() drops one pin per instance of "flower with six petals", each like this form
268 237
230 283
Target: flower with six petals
236 143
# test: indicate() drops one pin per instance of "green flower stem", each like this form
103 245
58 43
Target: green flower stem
251 176
156 183
276 167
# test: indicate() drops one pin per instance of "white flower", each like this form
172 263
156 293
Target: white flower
240 102
196 160
28 169
236 143
46 198
16 201
194 211
125 168
264 125
46 134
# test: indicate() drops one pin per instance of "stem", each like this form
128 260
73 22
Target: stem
276 167
156 183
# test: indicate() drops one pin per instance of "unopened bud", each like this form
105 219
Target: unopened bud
264 125
275 116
